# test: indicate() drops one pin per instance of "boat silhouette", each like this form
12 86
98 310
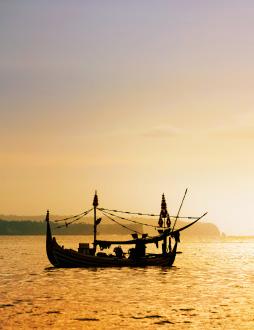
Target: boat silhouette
87 256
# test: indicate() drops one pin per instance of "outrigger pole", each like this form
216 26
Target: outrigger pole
177 216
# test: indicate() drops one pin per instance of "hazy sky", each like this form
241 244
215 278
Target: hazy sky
132 98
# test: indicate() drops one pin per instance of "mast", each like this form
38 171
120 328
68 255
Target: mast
49 236
95 204
164 222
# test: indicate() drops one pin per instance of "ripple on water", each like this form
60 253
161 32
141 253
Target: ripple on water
6 305
146 317
187 309
86 319
164 322
221 291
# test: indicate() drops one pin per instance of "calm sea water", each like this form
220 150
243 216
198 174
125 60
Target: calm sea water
210 287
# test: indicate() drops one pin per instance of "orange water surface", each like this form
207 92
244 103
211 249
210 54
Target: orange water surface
211 286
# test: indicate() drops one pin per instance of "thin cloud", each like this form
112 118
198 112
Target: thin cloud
162 132
246 132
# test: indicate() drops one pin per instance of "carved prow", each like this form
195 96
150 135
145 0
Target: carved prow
49 242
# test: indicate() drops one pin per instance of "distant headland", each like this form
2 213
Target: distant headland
35 225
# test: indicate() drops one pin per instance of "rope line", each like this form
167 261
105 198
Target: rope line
127 212
122 218
74 220
74 216
106 215
146 214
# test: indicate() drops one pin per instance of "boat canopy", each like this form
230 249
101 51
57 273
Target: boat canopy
147 240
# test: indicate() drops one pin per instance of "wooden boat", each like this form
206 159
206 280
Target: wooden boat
137 256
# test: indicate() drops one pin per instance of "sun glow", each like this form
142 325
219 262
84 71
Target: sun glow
133 104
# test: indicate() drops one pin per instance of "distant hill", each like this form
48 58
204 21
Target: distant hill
28 227
14 217
200 230
38 227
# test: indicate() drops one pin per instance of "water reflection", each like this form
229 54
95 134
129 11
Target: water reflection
211 287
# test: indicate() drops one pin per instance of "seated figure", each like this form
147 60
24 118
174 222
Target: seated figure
118 252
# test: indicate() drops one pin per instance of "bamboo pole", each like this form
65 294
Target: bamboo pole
179 210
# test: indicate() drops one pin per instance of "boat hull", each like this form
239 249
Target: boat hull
61 257
68 258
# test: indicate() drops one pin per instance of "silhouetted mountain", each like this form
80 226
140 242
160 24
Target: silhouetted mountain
200 230
27 227
14 217
39 228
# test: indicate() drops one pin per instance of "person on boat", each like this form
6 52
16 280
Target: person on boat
119 252
140 249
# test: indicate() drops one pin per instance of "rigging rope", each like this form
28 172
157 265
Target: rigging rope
140 223
146 214
106 215
74 216
74 220
127 212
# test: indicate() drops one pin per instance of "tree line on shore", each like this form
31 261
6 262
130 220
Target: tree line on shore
28 227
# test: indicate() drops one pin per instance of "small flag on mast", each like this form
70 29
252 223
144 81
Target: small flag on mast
164 213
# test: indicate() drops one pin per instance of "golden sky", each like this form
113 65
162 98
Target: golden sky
132 99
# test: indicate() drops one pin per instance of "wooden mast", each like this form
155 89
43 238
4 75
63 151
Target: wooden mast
164 222
95 204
